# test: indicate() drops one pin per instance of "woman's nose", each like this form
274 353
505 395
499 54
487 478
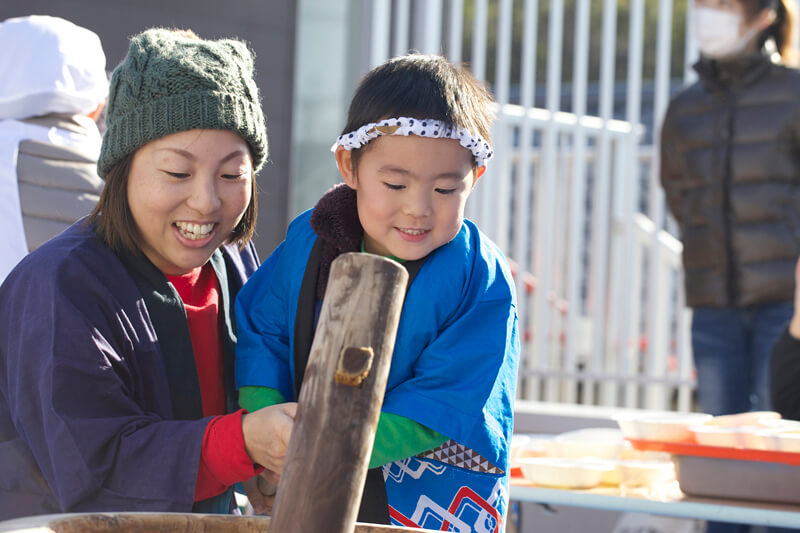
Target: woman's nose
204 197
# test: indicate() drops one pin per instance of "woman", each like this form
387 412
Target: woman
730 171
116 337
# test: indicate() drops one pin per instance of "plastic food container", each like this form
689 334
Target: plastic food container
645 473
601 443
564 473
664 428
785 442
726 472
739 479
750 418
724 436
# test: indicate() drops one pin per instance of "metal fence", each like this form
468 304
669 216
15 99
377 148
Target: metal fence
572 199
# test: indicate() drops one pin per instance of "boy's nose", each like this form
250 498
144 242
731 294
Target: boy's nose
418 207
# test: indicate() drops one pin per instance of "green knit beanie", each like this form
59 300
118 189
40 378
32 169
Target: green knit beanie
171 82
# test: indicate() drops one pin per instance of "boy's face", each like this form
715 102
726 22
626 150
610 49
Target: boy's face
411 193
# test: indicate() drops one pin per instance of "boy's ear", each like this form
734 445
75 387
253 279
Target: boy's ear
478 173
344 160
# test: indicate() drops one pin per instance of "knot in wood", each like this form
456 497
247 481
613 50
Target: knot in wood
354 365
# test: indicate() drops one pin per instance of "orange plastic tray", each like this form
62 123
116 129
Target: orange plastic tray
692 448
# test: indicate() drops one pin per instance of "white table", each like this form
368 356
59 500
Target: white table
675 505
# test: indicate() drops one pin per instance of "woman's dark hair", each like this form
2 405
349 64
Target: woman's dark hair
114 222
781 28
421 86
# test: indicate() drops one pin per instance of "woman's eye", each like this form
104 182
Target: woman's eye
445 191
233 176
394 187
179 175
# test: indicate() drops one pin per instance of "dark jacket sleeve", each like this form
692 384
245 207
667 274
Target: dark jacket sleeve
670 172
86 392
785 376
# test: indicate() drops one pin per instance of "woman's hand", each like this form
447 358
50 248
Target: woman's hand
266 435
261 491
794 325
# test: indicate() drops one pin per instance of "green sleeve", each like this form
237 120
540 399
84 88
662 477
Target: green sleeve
398 437
253 398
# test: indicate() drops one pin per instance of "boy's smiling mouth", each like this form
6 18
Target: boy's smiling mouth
413 231
194 231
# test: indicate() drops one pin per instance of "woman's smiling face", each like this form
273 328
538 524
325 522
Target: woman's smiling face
187 192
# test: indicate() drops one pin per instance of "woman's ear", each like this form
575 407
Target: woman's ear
344 160
766 18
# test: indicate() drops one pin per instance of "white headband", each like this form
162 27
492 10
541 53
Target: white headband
435 129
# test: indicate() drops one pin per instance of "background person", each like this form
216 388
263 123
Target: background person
116 336
730 171
52 91
785 363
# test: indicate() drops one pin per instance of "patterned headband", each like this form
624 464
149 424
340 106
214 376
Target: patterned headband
435 129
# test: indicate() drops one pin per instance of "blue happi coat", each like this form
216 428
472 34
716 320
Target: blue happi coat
100 408
453 370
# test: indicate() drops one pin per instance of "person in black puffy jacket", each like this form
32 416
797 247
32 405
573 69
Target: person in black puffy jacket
731 173
730 168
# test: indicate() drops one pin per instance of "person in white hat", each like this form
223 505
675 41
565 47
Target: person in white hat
52 91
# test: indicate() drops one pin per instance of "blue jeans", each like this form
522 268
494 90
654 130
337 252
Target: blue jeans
731 349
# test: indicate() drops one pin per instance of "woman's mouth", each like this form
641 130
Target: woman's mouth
195 232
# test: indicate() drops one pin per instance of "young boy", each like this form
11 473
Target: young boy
414 146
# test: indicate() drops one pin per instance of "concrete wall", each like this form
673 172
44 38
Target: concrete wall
327 69
269 27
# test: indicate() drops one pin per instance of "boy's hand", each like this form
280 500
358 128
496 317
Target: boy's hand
266 435
261 491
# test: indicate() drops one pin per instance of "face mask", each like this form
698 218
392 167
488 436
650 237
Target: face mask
717 33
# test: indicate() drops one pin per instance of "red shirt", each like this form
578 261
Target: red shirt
223 459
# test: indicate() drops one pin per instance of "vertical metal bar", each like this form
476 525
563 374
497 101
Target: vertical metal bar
684 348
454 41
481 14
522 208
690 51
402 10
501 165
602 348
481 211
546 194
428 15
577 206
630 180
658 317
381 16
618 285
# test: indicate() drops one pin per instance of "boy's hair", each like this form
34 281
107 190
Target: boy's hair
421 86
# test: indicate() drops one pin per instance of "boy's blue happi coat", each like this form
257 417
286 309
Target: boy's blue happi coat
455 360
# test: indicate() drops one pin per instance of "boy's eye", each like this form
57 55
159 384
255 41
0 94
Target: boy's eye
394 186
445 191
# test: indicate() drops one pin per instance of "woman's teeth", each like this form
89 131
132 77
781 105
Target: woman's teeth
194 231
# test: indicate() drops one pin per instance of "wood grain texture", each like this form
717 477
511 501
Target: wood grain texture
326 465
